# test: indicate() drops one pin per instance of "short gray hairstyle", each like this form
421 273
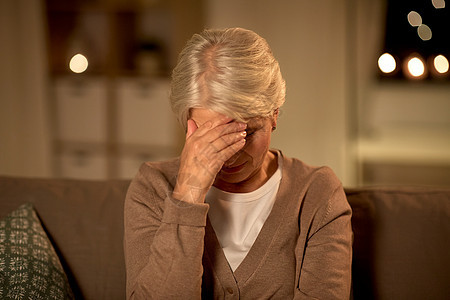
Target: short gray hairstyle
230 71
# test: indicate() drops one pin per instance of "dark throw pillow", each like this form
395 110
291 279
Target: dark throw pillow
29 265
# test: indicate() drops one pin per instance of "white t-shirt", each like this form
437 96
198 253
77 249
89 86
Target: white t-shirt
237 218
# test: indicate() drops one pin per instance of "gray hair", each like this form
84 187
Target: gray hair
230 71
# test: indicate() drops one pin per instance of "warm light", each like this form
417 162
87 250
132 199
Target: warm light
78 63
441 64
414 19
386 63
438 3
416 67
424 32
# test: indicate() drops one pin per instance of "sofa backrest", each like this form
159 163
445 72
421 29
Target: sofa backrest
401 243
84 221
401 236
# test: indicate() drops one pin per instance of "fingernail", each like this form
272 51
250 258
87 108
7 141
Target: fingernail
243 133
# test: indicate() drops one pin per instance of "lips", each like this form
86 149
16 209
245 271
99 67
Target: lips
233 169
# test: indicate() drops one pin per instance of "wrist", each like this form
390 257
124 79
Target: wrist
189 194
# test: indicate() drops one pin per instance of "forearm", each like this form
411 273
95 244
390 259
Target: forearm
189 193
165 256
175 271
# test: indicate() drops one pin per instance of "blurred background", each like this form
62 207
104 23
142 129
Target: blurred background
84 84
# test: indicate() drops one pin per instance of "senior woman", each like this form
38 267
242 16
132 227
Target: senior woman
232 218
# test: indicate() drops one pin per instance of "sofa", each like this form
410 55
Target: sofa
401 236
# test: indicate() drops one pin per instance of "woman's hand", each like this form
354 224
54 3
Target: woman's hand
206 149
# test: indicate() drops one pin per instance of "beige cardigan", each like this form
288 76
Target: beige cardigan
303 251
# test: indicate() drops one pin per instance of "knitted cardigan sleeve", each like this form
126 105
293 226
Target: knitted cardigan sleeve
327 257
163 240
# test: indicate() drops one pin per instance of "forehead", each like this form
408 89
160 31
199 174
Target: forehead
202 115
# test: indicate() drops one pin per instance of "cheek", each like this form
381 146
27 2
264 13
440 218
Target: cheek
258 147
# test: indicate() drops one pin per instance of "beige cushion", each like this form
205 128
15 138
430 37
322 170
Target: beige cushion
401 243
84 221
402 236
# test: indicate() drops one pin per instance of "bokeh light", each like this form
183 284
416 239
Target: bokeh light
438 3
78 63
424 32
414 19
386 63
416 67
441 64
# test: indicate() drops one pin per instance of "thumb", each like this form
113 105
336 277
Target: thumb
191 128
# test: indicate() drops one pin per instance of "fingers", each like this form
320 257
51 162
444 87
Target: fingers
192 126
231 150
218 126
211 159
206 149
227 140
219 130
214 135
218 138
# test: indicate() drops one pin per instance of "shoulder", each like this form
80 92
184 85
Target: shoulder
164 168
318 190
313 176
159 170
157 177
316 187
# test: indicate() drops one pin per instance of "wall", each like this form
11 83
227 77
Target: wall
336 112
309 40
405 134
402 127
24 129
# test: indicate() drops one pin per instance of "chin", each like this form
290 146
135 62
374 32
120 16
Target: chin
231 178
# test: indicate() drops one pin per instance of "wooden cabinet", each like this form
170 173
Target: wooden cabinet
81 112
146 126
144 113
115 115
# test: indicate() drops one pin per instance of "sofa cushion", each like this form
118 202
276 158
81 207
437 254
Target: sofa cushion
84 221
401 243
29 266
